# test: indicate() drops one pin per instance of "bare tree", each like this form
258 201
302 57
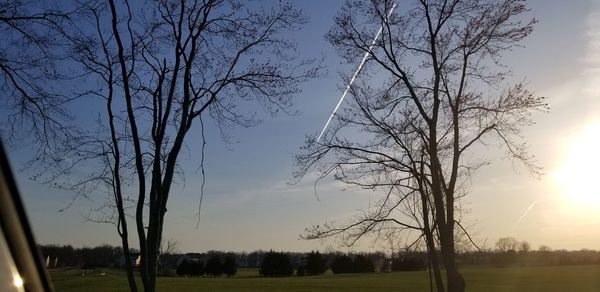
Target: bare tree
506 244
157 69
170 247
430 94
524 246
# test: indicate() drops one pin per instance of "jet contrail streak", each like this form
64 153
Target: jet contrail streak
364 59
526 212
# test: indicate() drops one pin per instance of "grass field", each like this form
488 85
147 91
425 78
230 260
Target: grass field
530 279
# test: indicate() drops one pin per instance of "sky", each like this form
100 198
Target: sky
249 203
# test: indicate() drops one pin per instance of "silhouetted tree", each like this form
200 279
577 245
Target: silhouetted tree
301 271
214 265
506 244
183 269
524 246
255 258
197 268
433 95
230 264
190 268
67 255
362 264
342 264
276 264
159 70
315 264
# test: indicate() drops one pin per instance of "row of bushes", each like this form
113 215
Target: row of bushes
215 266
279 264
344 264
275 264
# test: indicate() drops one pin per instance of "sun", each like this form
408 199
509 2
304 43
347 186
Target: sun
579 175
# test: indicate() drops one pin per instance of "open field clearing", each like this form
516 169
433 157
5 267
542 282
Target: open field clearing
542 279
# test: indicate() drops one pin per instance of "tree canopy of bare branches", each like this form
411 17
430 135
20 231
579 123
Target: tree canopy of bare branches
155 72
34 41
431 95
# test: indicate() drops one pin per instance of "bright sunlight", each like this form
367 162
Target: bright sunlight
578 175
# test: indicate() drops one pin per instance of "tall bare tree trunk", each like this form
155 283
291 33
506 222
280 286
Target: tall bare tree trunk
455 280
431 253
127 256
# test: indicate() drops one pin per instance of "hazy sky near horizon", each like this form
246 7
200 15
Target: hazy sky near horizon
250 205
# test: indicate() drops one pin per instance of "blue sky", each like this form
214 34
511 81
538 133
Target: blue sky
250 205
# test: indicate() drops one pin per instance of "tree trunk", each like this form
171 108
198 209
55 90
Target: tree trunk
128 267
434 262
152 259
455 280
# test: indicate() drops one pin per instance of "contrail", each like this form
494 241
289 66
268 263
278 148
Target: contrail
526 212
364 59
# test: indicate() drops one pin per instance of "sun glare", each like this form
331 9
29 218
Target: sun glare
579 175
18 282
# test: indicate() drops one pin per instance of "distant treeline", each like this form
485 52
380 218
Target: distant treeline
107 256
216 264
271 263
531 258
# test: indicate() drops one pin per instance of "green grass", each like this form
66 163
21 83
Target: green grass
531 279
